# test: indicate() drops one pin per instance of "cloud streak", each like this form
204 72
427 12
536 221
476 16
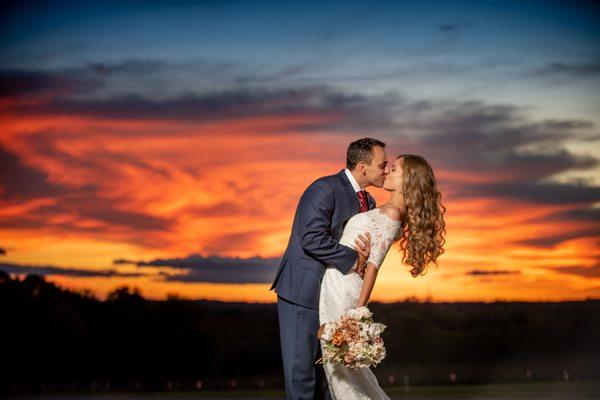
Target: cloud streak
479 272
572 70
586 272
214 269
65 271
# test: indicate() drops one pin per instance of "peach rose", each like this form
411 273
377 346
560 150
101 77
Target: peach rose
338 339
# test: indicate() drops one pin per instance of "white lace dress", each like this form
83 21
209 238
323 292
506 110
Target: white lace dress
340 293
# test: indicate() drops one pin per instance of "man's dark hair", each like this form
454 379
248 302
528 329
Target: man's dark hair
361 150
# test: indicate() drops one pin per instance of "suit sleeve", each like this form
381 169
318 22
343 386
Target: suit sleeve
316 211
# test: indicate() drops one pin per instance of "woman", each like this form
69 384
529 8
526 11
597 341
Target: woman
414 216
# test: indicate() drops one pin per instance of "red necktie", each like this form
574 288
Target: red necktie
362 198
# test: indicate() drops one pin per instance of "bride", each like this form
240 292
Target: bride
414 216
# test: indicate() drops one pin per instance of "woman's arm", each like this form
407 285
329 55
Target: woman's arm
368 283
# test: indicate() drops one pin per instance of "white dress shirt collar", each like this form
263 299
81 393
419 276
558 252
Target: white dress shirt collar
355 184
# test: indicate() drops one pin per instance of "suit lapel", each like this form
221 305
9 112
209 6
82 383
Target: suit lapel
352 197
370 200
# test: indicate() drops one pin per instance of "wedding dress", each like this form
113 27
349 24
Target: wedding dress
340 293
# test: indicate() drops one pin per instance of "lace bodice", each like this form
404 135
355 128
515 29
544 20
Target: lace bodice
384 231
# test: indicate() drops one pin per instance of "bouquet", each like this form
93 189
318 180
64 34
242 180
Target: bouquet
354 340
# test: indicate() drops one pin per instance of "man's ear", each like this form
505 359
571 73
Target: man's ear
362 167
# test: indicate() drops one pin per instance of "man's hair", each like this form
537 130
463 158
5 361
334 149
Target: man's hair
361 150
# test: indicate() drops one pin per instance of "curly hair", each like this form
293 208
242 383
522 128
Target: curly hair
422 237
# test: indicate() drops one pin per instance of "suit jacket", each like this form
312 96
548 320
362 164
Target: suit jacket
322 212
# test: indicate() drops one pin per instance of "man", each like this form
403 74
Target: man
322 212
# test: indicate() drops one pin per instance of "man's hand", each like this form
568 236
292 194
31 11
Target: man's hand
363 248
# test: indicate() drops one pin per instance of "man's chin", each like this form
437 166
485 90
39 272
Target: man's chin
377 184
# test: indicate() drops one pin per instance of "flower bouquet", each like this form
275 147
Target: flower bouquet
354 340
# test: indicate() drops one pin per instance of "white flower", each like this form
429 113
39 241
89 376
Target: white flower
328 332
364 312
375 329
364 331
359 347
359 313
378 353
353 313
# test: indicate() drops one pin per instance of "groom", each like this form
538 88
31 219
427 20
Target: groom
324 208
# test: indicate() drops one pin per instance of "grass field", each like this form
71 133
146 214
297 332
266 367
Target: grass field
538 391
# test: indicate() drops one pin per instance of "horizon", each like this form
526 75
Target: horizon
131 290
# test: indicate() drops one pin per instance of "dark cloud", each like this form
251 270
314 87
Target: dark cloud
217 269
478 272
2 251
72 204
451 32
582 70
548 241
589 214
108 217
105 81
197 102
53 270
20 181
586 272
518 156
203 91
344 110
156 77
491 138
123 261
453 27
44 84
554 124
537 193
270 77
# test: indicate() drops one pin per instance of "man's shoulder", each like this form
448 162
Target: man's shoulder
333 179
327 183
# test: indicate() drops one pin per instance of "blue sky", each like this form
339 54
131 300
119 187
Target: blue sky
536 54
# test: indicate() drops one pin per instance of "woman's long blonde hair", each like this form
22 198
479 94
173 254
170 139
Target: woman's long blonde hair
422 238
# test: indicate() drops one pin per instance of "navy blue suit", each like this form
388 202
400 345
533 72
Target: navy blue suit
323 210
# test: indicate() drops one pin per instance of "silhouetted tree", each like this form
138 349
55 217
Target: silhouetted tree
53 334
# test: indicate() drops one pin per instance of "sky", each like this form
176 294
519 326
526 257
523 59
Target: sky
164 145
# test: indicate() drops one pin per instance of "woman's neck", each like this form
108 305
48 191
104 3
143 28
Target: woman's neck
397 200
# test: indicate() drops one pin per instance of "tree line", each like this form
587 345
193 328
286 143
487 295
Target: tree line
53 335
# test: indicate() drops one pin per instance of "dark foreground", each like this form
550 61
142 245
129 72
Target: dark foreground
539 391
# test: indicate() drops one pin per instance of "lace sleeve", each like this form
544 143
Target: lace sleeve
383 233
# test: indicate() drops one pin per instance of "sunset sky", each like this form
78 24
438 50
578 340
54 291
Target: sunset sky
164 145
